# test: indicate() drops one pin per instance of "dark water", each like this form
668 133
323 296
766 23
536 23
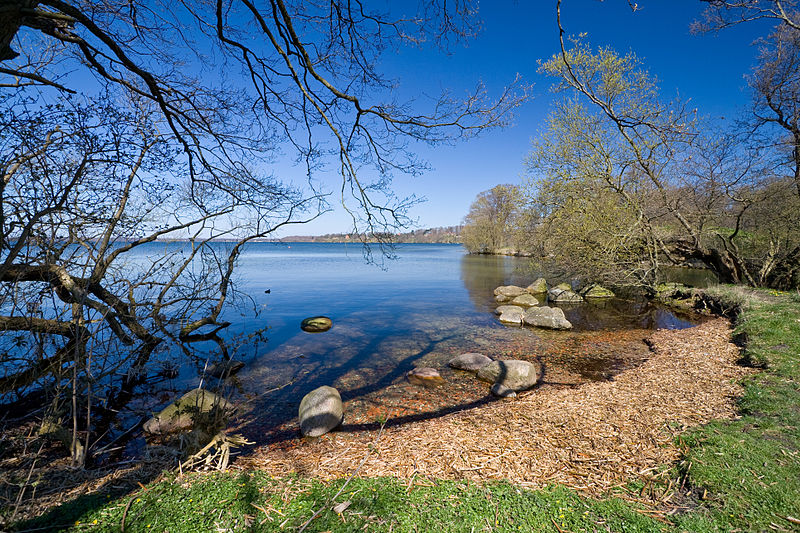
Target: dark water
430 304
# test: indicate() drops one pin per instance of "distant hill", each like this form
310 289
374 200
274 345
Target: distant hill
447 235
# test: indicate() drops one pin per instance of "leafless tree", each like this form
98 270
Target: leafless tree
125 124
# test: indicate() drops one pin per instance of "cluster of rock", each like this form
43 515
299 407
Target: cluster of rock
521 306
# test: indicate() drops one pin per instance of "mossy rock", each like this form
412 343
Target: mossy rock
316 324
598 291
182 414
537 287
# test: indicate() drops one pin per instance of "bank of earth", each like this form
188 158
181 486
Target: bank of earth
691 440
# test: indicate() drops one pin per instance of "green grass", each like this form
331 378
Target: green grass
744 473
254 502
749 469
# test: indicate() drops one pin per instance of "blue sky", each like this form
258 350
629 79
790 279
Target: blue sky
706 69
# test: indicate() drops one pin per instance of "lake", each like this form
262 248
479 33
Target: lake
431 303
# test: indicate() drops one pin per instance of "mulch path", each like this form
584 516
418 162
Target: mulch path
594 437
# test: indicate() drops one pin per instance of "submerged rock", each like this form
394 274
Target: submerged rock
427 377
514 374
563 294
320 411
526 300
224 369
537 287
546 317
316 324
597 291
512 316
471 362
182 414
503 308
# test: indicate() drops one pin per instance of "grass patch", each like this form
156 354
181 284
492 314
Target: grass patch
745 473
254 502
749 469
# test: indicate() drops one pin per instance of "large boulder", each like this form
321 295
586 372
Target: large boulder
182 414
597 291
563 294
514 374
320 411
537 287
472 362
509 291
503 308
525 300
424 376
546 317
512 316
316 324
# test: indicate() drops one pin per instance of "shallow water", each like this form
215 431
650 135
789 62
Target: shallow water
432 303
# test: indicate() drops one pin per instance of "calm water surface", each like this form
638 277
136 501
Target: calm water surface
430 304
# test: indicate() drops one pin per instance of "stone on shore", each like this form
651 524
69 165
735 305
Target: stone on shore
180 415
525 300
537 287
316 324
424 376
512 316
471 362
320 411
503 308
546 317
514 374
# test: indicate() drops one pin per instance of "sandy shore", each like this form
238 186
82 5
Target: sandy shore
594 437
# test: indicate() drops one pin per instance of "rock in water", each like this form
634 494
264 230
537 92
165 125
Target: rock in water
509 291
597 291
503 308
561 294
512 316
501 391
320 411
180 415
224 369
316 324
471 362
537 287
546 317
525 300
514 374
427 377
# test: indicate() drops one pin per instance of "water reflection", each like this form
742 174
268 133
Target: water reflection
482 274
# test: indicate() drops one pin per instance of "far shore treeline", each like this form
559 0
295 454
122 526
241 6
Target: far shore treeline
444 235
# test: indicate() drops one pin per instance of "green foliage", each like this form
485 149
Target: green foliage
494 219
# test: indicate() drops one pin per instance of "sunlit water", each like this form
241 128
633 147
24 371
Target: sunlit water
430 304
